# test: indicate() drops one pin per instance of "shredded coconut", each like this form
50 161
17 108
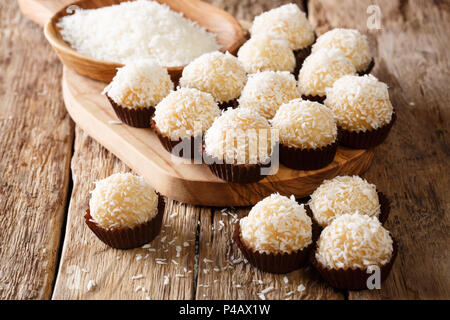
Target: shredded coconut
287 22
354 241
276 224
122 200
240 136
134 30
262 53
305 124
221 75
321 69
266 91
360 103
354 45
139 84
185 113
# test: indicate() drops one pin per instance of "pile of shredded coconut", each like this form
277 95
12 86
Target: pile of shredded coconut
276 224
136 30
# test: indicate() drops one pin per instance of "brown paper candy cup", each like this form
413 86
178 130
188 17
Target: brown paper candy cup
238 173
319 99
273 263
366 139
228 104
385 207
300 56
351 279
138 118
307 159
368 69
194 143
128 238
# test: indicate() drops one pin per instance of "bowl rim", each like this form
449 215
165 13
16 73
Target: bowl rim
51 34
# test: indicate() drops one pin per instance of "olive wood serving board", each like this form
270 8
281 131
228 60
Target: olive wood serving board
174 177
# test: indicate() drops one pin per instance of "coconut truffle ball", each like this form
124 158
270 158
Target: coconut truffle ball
239 136
122 200
341 195
263 52
360 103
185 113
266 91
321 69
354 45
287 22
139 84
276 224
354 241
217 73
305 124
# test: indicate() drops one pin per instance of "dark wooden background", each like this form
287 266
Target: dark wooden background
47 166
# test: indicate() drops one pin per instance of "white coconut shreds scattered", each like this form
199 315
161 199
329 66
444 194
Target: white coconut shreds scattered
266 91
287 22
305 124
344 194
276 224
135 30
360 103
354 241
122 200
354 45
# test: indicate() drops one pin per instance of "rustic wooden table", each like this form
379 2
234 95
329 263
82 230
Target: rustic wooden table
48 165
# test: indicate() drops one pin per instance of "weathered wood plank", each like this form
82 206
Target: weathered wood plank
36 136
85 258
411 54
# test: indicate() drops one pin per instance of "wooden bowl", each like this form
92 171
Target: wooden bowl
229 35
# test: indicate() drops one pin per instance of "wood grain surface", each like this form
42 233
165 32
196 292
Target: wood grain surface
411 167
36 136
